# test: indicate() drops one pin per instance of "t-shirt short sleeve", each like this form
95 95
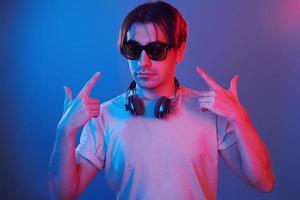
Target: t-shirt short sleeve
226 135
91 145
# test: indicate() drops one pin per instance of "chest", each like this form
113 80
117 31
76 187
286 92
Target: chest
141 142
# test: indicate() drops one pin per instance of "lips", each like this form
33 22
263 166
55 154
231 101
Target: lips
145 74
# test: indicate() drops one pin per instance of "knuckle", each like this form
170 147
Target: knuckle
86 109
96 101
88 113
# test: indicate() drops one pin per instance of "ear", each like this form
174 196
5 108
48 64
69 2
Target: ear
180 52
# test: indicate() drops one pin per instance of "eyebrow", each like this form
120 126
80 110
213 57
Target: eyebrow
148 42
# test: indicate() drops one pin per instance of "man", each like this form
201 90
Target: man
158 140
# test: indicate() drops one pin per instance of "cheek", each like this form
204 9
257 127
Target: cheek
170 63
132 66
165 69
171 58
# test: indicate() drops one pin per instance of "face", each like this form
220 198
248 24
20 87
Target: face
148 73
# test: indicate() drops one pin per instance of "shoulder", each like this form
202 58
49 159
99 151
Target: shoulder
118 101
188 92
114 107
189 96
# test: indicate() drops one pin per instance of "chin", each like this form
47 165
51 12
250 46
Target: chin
147 84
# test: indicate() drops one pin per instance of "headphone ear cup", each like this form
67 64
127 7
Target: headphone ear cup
162 107
136 105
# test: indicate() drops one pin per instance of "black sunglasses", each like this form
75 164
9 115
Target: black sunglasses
155 50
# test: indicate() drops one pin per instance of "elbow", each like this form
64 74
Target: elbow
59 194
266 186
269 187
58 190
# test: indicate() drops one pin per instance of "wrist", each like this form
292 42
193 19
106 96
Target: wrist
63 130
239 116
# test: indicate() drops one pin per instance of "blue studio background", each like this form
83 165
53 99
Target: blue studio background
48 44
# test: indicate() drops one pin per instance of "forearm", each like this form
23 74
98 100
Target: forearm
63 175
255 158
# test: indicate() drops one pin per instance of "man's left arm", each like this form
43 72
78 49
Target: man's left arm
248 157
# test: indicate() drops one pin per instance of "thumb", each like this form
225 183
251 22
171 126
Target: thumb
233 85
68 97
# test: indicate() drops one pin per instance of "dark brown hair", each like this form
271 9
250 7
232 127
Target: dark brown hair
161 14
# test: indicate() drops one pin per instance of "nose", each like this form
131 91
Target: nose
144 60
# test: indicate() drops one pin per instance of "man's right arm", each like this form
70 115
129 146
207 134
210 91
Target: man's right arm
68 175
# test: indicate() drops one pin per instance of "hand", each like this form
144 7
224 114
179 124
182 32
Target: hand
220 101
80 110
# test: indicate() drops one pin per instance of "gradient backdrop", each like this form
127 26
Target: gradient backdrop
48 44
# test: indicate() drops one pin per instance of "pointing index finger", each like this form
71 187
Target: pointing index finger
212 84
86 90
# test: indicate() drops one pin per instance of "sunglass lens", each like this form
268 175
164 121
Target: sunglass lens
156 51
132 50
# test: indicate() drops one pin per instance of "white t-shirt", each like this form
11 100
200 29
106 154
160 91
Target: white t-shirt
148 158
